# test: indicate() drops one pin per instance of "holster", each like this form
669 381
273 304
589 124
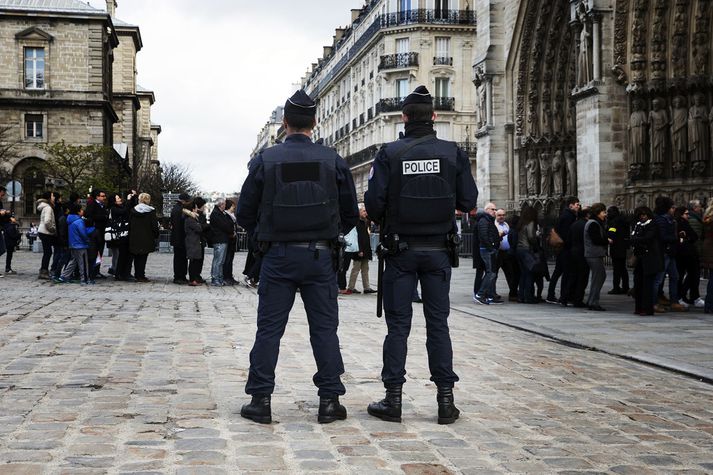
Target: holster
453 245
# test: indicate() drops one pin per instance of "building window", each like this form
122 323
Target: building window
34 126
443 46
442 87
34 68
402 52
441 10
402 88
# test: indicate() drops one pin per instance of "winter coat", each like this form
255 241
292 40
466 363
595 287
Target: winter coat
178 232
119 221
193 231
618 230
221 226
47 223
565 222
78 232
686 246
143 229
647 247
595 241
364 242
63 231
696 223
576 238
667 233
527 238
12 235
488 235
707 248
98 214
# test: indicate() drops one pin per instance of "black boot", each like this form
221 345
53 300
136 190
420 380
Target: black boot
389 408
258 410
330 410
447 410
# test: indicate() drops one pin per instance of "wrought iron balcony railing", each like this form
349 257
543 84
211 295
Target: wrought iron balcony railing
471 148
447 17
391 104
399 60
442 61
444 103
362 156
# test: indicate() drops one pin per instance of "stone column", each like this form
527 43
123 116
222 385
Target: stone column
489 100
596 46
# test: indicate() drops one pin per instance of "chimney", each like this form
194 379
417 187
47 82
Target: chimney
355 14
111 7
327 52
338 34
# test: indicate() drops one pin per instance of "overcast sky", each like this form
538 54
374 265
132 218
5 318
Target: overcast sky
220 67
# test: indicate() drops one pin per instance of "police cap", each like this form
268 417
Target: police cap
419 96
300 104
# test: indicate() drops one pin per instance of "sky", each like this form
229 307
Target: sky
219 68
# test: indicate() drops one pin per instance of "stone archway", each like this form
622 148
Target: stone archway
30 173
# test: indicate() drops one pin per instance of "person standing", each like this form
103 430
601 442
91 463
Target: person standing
298 197
489 241
362 257
595 250
695 220
687 259
507 261
669 239
143 232
178 239
562 265
649 261
618 234
193 235
4 220
11 233
418 182
707 256
47 231
119 218
97 214
79 241
228 276
528 253
222 231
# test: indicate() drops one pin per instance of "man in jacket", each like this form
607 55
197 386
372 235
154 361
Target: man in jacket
362 257
566 219
97 213
298 197
489 242
79 239
222 231
178 240
695 219
618 233
507 260
669 240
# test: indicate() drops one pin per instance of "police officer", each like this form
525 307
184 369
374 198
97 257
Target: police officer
298 197
416 184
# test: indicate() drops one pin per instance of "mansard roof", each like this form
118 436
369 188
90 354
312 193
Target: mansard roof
51 6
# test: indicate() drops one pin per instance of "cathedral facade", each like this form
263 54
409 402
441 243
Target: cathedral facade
609 100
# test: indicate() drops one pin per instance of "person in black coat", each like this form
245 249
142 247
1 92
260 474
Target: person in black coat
12 241
143 232
478 263
687 259
562 269
222 230
649 261
361 259
489 243
120 222
178 239
228 276
577 267
618 231
97 213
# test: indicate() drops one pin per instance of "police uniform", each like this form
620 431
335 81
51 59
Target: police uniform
416 184
296 200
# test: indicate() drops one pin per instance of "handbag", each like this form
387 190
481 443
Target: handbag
555 240
352 240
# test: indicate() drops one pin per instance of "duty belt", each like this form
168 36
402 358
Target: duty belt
426 246
307 244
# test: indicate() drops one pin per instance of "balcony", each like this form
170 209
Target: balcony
370 113
442 61
471 148
443 17
362 156
399 60
391 104
361 119
444 103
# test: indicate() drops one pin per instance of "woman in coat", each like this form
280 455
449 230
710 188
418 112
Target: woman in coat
119 220
528 254
707 256
649 261
47 231
194 246
618 230
595 250
143 232
687 259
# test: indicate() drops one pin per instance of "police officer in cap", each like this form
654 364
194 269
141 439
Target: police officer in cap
416 184
298 197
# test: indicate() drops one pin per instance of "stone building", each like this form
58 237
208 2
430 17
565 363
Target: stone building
69 73
270 133
390 47
607 99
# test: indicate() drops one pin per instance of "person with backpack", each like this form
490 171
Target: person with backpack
79 242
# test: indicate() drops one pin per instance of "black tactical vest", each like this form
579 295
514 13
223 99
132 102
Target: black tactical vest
300 200
422 187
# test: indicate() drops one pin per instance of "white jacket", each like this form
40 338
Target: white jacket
47 223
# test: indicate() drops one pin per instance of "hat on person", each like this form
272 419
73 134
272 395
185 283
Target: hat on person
420 95
184 197
300 104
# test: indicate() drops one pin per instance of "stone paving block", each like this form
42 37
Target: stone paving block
200 444
263 464
425 469
22 469
202 458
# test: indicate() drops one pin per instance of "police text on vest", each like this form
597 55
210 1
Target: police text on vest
421 167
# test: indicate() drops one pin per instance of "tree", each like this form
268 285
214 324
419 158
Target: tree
177 178
82 166
8 151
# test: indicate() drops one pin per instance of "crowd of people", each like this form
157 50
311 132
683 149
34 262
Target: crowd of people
670 243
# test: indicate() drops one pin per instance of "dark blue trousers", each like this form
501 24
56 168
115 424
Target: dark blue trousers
433 270
284 270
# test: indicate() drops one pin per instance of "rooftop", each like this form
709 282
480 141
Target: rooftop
55 6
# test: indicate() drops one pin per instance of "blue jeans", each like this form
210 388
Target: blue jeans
487 288
216 270
670 268
525 291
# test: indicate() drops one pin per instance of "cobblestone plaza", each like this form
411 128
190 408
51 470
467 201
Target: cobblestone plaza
148 378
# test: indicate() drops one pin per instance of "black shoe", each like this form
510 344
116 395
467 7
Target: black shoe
389 408
258 410
615 292
110 272
597 308
180 281
369 291
100 276
330 410
447 410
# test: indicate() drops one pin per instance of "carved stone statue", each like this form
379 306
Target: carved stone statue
571 160
584 62
482 106
532 167
658 118
679 134
698 134
637 134
545 174
557 173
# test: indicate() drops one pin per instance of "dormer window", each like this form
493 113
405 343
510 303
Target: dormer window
34 68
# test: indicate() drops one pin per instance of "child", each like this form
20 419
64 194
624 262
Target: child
78 245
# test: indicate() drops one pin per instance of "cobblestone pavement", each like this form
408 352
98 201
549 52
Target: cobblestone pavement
148 378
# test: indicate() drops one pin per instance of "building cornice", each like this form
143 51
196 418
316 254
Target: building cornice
53 103
134 32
